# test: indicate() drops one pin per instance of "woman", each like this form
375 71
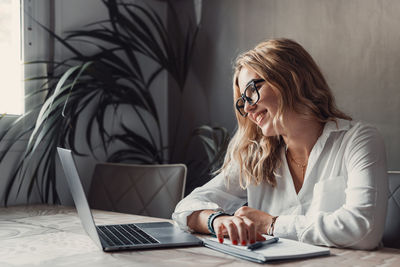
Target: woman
306 170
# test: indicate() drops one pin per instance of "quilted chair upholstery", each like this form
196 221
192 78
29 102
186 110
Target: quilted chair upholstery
391 236
151 190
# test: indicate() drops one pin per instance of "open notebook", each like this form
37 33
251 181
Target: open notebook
280 250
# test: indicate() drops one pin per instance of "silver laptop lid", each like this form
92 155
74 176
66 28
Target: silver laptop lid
78 194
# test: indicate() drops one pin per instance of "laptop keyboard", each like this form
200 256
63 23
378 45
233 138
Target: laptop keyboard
124 235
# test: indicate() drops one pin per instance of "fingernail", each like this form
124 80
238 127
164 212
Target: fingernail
252 242
244 243
234 242
221 240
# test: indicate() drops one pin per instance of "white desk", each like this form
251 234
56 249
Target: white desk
52 236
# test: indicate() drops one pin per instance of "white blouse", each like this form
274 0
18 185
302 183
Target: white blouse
342 202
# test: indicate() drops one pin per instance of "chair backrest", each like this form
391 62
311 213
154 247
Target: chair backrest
151 190
391 235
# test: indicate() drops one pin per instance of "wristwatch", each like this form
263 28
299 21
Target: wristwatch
211 219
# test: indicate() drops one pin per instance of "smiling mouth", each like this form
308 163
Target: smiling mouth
260 116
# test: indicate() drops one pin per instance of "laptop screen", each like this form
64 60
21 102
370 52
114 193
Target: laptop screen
78 194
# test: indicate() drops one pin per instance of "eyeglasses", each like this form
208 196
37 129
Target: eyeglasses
250 95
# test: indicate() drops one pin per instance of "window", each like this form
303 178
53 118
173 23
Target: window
11 67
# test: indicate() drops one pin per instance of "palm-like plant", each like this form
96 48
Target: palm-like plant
92 84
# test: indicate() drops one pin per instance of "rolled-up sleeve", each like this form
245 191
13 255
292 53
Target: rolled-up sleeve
359 222
217 194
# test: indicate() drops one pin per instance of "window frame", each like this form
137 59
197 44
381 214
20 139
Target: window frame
35 45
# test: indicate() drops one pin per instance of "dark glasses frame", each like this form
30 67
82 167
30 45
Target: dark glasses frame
251 85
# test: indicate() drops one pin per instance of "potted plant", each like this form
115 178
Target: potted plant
110 78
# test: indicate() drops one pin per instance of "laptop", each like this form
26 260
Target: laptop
121 236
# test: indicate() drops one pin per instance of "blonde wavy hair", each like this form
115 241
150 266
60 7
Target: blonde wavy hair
300 86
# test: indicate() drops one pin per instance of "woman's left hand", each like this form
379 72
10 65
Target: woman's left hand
261 219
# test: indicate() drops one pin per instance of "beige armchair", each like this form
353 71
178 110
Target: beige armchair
151 190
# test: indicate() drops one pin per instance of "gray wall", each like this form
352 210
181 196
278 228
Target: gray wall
355 42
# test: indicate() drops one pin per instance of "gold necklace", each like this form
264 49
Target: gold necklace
302 166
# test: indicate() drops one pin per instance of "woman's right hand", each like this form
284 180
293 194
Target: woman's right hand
239 229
